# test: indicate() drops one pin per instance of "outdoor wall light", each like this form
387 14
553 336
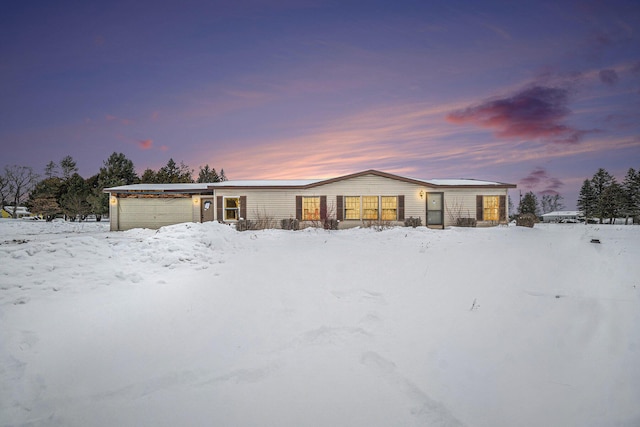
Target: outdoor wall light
421 194
196 200
113 200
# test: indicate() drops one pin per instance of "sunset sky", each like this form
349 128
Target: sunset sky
536 93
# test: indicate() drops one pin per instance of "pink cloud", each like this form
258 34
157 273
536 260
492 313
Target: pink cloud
534 113
145 144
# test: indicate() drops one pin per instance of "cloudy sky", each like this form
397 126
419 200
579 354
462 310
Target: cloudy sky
535 93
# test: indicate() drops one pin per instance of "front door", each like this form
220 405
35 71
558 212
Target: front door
435 209
206 210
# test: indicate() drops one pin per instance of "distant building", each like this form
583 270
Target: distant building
7 212
563 216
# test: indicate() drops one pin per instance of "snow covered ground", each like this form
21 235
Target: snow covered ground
199 325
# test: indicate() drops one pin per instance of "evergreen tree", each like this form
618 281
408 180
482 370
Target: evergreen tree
51 169
98 200
587 201
149 177
173 173
528 204
600 181
44 199
631 187
611 201
117 170
222 177
73 199
68 166
207 174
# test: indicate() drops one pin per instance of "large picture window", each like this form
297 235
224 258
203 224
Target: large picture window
491 208
389 208
369 207
311 208
352 207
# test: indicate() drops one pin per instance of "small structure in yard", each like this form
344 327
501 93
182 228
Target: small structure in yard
563 216
21 212
369 198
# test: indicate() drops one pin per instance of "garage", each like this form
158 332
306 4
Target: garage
156 205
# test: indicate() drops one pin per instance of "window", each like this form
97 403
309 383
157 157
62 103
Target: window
351 207
369 207
491 208
311 208
231 208
389 208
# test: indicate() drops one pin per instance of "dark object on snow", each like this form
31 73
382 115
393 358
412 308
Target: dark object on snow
413 222
595 240
466 222
526 220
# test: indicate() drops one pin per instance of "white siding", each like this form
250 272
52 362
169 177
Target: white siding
461 202
280 204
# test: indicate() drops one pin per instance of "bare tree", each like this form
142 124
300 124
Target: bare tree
20 180
4 190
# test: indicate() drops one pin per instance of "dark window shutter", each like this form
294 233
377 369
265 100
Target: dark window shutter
323 207
219 208
400 208
299 208
503 208
243 207
339 208
479 215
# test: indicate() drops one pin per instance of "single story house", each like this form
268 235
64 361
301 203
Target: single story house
563 216
21 211
353 200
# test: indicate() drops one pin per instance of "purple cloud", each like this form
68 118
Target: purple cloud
540 180
537 113
608 77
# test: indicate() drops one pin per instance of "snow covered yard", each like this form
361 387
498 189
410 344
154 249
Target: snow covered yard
199 325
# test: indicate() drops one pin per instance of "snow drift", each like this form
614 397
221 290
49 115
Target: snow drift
197 324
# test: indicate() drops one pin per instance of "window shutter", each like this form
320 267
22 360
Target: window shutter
339 208
400 208
323 207
219 208
503 208
479 216
299 208
243 207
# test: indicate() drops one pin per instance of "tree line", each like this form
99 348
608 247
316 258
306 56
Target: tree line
62 191
603 197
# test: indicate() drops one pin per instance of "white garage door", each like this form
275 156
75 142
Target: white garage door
152 212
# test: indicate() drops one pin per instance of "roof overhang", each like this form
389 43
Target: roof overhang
201 188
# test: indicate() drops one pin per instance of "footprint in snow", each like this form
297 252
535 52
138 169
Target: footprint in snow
424 408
